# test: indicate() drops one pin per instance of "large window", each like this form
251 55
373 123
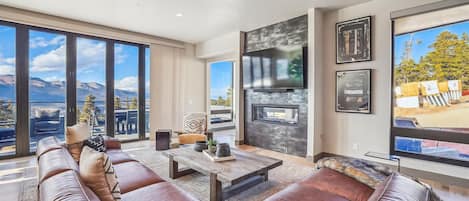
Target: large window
431 86
91 84
126 91
68 78
7 91
47 85
147 92
221 92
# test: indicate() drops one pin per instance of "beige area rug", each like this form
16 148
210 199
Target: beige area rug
198 184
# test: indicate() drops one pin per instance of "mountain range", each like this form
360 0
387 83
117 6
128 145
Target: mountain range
44 91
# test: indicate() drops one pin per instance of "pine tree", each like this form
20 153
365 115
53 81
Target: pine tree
117 103
220 101
88 110
446 56
229 97
133 104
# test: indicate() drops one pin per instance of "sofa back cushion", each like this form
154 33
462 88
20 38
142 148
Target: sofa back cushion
328 180
65 186
399 188
97 172
54 162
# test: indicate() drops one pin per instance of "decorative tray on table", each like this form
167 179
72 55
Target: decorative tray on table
215 158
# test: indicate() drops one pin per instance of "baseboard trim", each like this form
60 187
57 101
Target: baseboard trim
443 179
239 142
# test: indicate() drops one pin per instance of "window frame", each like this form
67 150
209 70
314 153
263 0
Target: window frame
209 87
22 126
430 134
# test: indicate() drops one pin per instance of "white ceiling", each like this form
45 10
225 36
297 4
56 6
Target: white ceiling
201 20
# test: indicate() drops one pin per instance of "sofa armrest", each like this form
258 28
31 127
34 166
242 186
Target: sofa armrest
112 143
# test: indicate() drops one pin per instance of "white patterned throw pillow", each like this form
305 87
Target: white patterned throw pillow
194 123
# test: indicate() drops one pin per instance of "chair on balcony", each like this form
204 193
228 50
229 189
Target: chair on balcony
194 129
46 122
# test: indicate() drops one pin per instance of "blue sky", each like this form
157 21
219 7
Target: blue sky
427 37
221 77
47 58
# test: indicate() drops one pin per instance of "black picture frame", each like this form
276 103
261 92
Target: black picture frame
348 98
362 28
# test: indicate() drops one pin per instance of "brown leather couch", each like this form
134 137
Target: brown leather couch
58 176
330 185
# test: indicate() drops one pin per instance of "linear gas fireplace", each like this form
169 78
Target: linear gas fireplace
276 114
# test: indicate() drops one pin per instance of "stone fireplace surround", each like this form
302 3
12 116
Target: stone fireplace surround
281 137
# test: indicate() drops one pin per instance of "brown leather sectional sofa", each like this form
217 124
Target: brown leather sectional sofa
330 185
59 178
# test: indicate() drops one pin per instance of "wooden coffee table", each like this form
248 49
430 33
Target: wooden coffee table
247 170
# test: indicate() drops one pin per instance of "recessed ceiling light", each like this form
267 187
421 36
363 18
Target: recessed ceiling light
178 14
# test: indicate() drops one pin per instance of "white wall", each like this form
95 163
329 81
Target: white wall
315 69
225 48
226 45
369 132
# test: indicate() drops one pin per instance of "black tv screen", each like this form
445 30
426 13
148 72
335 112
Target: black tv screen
276 68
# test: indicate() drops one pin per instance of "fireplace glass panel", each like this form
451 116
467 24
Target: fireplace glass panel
281 114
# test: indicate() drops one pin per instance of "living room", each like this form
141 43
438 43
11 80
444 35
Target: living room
234 100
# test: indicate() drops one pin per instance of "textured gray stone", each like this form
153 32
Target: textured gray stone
290 139
293 32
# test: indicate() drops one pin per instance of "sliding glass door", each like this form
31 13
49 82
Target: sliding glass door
51 79
91 83
47 85
126 91
7 91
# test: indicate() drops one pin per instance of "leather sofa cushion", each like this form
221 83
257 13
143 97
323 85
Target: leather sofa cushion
299 192
134 175
47 144
112 143
400 188
118 156
163 191
331 181
54 162
65 186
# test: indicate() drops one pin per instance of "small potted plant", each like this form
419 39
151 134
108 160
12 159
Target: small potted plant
212 145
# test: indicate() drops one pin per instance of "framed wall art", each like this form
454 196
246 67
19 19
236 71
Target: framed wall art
353 40
353 91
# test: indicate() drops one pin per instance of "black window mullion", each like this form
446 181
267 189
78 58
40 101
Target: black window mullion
141 92
22 90
110 118
71 79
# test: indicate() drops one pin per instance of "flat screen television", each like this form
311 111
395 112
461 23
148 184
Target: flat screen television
275 68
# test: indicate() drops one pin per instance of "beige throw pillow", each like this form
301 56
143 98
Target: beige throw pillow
97 172
74 139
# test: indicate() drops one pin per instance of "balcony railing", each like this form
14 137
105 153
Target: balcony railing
220 115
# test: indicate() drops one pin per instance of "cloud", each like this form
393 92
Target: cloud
120 56
7 65
53 60
127 84
52 79
42 42
90 54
